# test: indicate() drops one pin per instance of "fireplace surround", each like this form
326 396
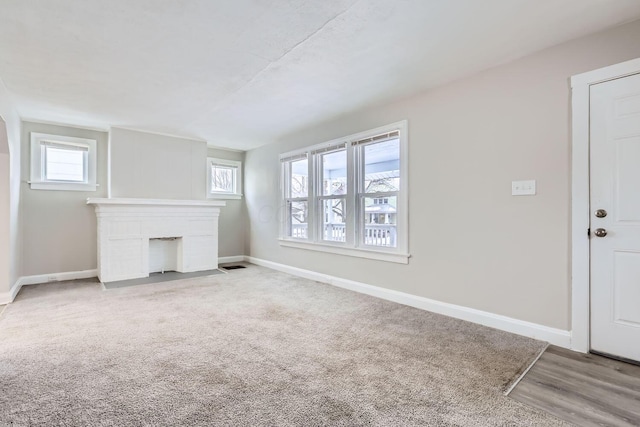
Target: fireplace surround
125 227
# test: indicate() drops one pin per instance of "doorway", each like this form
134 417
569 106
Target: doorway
606 202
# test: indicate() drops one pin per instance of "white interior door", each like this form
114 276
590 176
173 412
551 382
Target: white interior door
615 217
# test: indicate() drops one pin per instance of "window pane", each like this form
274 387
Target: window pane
333 220
223 179
64 165
298 223
382 167
380 219
299 176
334 173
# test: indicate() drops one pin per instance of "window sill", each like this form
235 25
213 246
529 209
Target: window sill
224 196
398 258
62 186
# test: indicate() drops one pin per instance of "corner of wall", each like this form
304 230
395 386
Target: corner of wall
14 244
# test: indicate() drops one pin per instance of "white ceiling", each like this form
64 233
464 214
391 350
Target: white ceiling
242 73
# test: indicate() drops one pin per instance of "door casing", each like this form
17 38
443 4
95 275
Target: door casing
580 215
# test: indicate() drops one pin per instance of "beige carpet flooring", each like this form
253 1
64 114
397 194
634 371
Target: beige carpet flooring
253 347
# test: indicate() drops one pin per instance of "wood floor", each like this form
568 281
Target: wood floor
585 389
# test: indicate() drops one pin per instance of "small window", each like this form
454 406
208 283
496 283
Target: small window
62 163
224 179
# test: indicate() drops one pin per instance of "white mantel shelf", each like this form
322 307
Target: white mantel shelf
153 202
127 226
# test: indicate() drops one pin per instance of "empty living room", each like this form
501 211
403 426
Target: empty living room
320 213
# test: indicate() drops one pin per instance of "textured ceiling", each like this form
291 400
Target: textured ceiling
242 73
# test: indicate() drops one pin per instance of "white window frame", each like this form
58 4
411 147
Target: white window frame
38 178
316 204
352 246
226 195
285 180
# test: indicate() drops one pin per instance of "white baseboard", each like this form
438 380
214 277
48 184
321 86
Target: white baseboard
8 297
554 336
58 277
227 259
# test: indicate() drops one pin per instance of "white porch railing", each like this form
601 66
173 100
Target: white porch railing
299 231
335 232
380 235
374 234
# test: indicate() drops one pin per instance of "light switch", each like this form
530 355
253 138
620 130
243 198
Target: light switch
523 188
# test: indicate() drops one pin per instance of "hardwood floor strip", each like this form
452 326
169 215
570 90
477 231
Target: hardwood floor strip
562 407
617 372
583 381
594 359
585 389
589 397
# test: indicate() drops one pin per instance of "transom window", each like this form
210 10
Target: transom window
62 163
349 195
224 178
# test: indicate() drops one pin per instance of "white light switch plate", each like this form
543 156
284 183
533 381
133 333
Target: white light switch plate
523 188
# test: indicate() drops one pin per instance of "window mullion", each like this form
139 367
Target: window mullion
358 199
234 173
313 200
285 224
351 217
43 163
85 161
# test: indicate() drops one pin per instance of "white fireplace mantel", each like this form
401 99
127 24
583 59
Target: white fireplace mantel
153 202
125 227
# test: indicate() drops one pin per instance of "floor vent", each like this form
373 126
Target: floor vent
232 267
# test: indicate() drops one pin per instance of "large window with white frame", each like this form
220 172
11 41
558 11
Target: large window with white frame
63 163
224 179
349 196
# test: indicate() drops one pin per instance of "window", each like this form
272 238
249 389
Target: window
62 163
349 196
297 196
224 179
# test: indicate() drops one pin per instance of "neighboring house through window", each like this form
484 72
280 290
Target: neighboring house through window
349 196
63 163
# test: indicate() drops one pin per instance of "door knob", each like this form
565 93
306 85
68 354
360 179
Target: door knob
601 213
600 232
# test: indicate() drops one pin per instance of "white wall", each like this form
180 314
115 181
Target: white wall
60 235
10 249
472 243
60 228
5 210
232 224
151 166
